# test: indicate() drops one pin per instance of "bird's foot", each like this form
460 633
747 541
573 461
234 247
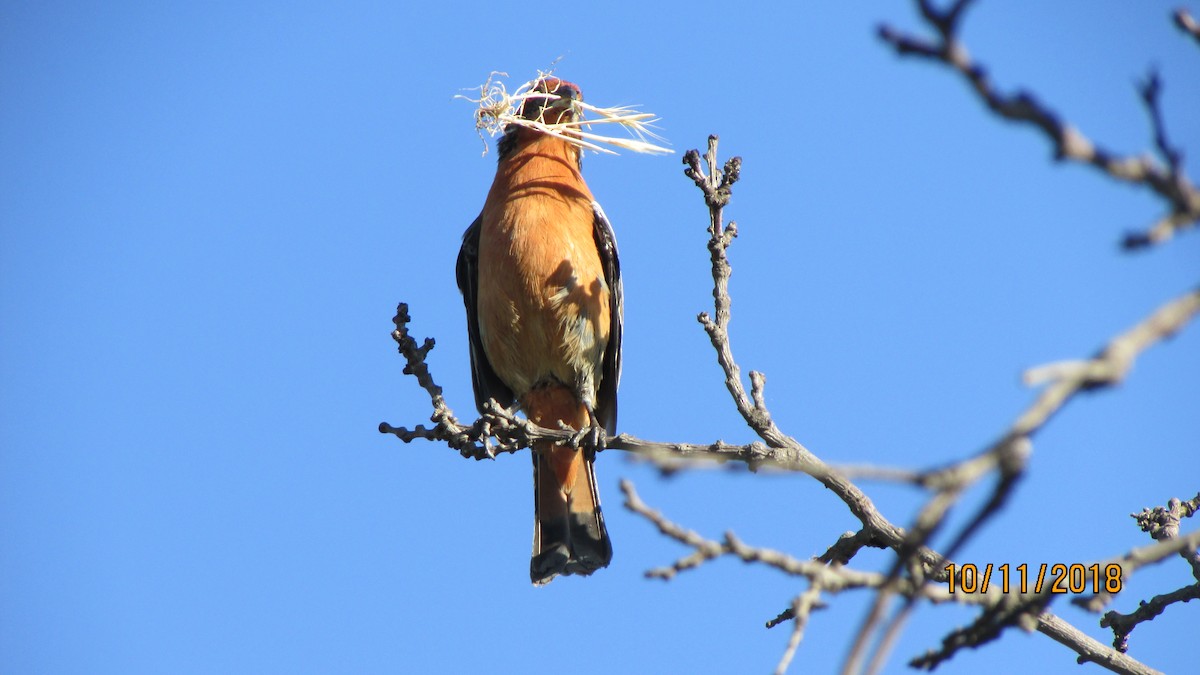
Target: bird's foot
592 436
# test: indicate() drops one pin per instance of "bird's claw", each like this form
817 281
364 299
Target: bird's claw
599 437
592 437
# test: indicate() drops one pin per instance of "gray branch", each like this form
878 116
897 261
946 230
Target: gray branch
1167 181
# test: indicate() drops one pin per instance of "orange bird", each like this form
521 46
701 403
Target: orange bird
540 280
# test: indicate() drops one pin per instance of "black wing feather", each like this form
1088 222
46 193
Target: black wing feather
483 378
610 374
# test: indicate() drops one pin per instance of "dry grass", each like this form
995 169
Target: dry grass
497 108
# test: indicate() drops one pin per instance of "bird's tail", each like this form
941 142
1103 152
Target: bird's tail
569 536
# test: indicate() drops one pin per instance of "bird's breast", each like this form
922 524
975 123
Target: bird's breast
543 301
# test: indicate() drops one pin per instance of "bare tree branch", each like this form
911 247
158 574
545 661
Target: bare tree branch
1169 182
802 607
1123 624
999 610
782 450
830 578
1137 559
1163 524
1088 649
1108 367
1005 458
1027 611
513 433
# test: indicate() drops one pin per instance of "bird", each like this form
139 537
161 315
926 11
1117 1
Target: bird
541 284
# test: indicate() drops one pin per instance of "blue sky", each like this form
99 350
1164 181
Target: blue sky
209 213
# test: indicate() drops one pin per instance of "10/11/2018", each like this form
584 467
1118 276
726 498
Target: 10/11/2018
1063 578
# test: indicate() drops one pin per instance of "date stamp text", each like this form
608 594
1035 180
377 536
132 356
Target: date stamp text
1057 578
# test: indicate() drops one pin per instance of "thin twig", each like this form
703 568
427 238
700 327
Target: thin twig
1123 624
1162 523
802 608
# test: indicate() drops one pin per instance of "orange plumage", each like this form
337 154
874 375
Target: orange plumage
541 282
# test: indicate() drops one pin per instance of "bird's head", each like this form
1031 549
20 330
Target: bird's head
553 110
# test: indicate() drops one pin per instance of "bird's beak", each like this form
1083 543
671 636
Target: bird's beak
566 98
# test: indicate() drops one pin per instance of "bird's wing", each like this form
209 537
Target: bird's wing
483 378
610 374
